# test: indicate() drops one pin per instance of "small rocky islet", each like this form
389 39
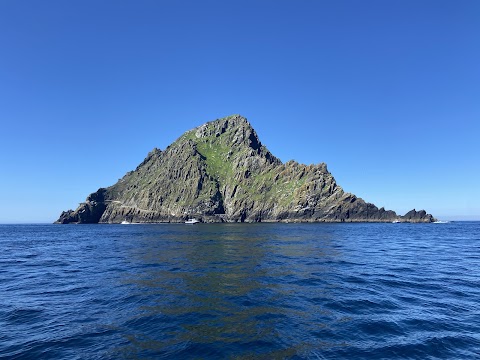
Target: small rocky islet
221 172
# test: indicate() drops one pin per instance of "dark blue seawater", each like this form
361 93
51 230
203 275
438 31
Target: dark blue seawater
240 291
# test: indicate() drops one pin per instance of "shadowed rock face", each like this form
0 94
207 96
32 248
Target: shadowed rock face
220 171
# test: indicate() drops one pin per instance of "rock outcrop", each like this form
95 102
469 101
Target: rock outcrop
220 172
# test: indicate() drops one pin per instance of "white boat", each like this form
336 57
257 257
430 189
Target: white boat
192 221
395 221
125 222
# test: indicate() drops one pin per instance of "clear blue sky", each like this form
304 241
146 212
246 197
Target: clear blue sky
387 93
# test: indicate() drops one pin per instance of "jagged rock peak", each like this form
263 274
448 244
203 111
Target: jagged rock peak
219 126
155 153
237 124
418 216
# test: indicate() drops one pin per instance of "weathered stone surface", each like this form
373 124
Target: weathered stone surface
88 212
418 216
220 171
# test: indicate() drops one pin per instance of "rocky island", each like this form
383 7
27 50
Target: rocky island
221 172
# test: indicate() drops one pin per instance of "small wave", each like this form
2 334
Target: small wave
370 292
24 315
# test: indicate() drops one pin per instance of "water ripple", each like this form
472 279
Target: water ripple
260 291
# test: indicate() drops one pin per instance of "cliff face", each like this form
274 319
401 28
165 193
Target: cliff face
220 171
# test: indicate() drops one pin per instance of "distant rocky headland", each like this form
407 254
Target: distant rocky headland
221 172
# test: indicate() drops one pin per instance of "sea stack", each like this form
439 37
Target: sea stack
221 172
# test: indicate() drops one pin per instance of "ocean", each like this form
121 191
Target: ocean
240 291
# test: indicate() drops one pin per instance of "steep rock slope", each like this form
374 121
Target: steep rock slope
220 171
